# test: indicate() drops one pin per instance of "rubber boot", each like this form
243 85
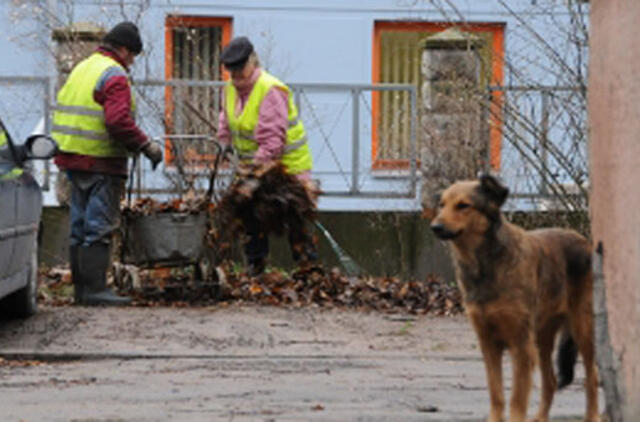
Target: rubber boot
94 262
74 263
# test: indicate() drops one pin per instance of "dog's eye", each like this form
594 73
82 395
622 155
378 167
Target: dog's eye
462 205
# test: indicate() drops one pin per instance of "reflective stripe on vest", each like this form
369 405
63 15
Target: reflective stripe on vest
296 155
77 110
68 130
288 147
78 120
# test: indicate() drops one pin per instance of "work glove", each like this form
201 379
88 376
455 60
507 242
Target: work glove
230 154
227 149
153 152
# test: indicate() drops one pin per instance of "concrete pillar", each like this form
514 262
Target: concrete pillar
614 114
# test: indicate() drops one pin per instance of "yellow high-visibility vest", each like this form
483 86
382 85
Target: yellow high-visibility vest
296 156
78 120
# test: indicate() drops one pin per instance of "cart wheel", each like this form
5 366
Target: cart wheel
202 271
221 284
126 277
208 275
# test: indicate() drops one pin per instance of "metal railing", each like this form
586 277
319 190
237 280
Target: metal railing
356 91
543 132
183 112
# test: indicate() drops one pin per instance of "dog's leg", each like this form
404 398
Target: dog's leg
581 323
523 360
545 339
492 355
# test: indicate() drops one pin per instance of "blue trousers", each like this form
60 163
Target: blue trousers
95 206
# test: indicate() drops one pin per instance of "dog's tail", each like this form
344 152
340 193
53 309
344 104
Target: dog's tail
566 359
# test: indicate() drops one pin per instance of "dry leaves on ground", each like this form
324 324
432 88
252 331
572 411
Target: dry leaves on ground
312 287
17 363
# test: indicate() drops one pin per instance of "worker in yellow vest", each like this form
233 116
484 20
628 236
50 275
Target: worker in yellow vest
95 128
260 120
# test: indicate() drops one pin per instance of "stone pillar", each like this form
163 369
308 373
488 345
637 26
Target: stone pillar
73 44
452 135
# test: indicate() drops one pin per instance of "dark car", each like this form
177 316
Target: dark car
20 210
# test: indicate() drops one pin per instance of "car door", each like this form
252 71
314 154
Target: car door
8 209
28 210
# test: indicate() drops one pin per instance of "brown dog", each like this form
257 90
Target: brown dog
520 289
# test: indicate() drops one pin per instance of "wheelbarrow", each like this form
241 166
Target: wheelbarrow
171 243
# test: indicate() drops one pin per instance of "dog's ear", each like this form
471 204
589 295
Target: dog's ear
493 189
430 208
435 198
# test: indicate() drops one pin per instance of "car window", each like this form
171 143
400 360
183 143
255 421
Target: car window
3 136
8 168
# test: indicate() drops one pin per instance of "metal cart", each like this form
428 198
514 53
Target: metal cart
170 240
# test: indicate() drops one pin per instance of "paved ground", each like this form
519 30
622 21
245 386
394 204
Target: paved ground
245 363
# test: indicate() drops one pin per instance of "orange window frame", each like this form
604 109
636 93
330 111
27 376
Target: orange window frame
496 78
171 22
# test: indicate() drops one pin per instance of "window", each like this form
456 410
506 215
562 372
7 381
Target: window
193 46
447 62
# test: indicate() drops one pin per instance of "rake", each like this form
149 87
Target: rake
350 266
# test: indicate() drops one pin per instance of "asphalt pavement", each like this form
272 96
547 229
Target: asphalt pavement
247 363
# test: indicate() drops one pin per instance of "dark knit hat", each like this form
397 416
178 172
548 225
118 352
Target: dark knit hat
236 53
125 34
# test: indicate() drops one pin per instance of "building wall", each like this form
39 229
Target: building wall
302 41
382 244
614 89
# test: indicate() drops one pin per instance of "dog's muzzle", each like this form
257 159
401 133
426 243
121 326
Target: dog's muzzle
441 231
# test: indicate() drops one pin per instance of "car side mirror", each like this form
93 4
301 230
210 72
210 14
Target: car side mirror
40 147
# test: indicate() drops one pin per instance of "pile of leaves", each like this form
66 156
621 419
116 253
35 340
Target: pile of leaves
267 194
314 287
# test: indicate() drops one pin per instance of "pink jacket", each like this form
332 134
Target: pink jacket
271 130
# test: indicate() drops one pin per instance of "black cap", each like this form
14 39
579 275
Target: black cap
125 34
236 53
